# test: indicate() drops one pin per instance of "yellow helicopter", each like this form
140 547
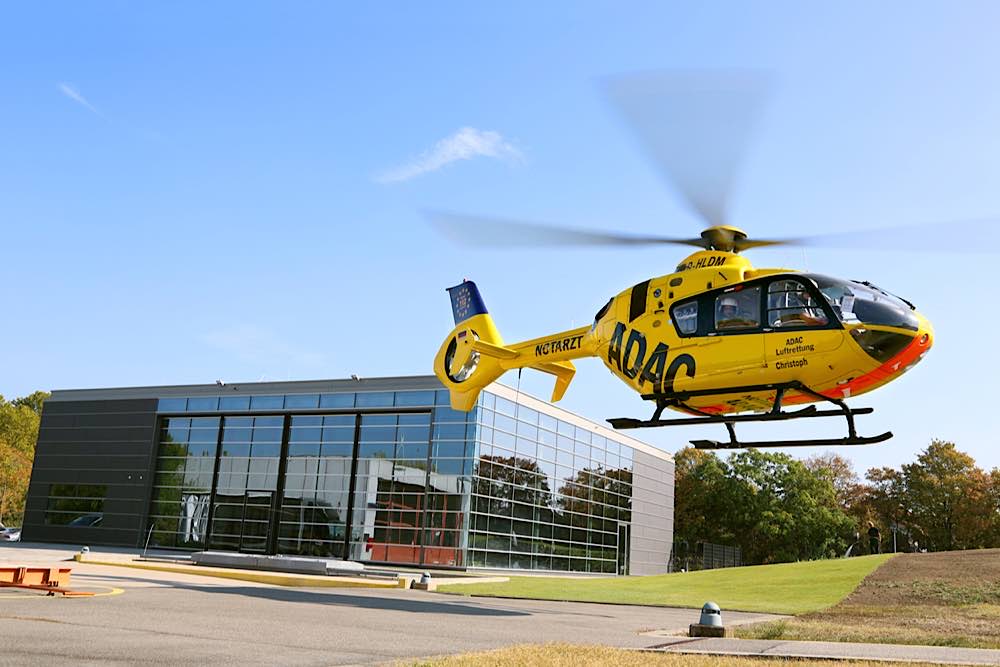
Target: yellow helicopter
717 339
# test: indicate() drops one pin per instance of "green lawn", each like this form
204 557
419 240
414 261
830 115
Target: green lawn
788 588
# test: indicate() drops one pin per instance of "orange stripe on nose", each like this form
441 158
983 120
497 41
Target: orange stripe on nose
894 367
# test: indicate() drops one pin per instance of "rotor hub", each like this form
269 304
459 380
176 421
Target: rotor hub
724 238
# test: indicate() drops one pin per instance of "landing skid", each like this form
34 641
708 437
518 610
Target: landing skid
679 400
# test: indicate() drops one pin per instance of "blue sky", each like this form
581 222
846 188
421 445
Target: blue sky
192 192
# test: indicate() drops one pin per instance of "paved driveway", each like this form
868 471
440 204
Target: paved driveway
170 618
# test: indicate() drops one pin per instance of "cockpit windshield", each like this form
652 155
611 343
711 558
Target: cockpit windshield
860 302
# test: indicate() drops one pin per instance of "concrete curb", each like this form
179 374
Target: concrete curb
274 578
813 650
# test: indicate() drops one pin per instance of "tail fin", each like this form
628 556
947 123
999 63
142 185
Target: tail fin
474 354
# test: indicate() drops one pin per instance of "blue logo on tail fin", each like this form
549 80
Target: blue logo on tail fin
466 301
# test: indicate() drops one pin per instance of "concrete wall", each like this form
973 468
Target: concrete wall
112 443
652 514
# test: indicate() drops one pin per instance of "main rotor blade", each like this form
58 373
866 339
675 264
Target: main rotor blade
963 236
695 127
501 232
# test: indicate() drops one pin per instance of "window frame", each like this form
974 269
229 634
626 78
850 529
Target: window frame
697 322
761 302
706 321
833 320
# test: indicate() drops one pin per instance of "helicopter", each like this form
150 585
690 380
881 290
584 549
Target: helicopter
716 339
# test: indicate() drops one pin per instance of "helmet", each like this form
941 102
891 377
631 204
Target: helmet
728 301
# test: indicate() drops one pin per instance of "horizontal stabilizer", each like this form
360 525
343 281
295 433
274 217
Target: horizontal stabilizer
564 372
495 351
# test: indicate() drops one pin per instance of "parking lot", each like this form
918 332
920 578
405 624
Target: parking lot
158 617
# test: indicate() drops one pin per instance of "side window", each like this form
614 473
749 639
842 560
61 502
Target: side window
686 317
790 305
738 310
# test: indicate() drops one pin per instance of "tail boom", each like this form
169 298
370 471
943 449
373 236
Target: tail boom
474 354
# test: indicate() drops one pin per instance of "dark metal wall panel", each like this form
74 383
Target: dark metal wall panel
106 442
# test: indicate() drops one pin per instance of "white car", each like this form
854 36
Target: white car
10 534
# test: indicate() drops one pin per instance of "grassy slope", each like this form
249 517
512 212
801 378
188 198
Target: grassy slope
788 588
944 599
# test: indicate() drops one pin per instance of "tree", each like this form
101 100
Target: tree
948 497
701 512
884 503
769 504
19 420
789 513
840 472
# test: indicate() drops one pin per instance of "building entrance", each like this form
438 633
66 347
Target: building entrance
246 482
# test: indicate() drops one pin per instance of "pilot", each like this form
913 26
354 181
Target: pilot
728 308
729 313
806 311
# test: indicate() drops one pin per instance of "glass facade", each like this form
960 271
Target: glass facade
394 477
548 494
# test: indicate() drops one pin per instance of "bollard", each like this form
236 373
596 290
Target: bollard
710 623
711 615
425 583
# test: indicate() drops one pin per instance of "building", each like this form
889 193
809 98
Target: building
379 470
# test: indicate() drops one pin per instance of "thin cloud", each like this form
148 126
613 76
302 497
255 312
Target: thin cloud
74 94
465 144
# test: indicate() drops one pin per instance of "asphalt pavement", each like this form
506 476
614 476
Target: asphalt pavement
169 618
152 617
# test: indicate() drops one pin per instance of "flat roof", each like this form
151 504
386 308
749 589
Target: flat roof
398 383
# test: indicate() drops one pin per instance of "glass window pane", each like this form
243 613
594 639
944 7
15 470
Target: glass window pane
686 317
547 422
303 449
302 401
267 402
234 403
738 309
449 415
449 432
527 430
346 421
231 434
505 423
172 405
526 448
505 406
449 450
336 401
414 398
527 415
374 399
203 404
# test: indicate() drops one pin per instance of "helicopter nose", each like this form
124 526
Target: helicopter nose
924 339
922 342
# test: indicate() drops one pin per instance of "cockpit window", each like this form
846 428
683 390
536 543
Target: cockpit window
790 305
686 317
856 302
738 310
